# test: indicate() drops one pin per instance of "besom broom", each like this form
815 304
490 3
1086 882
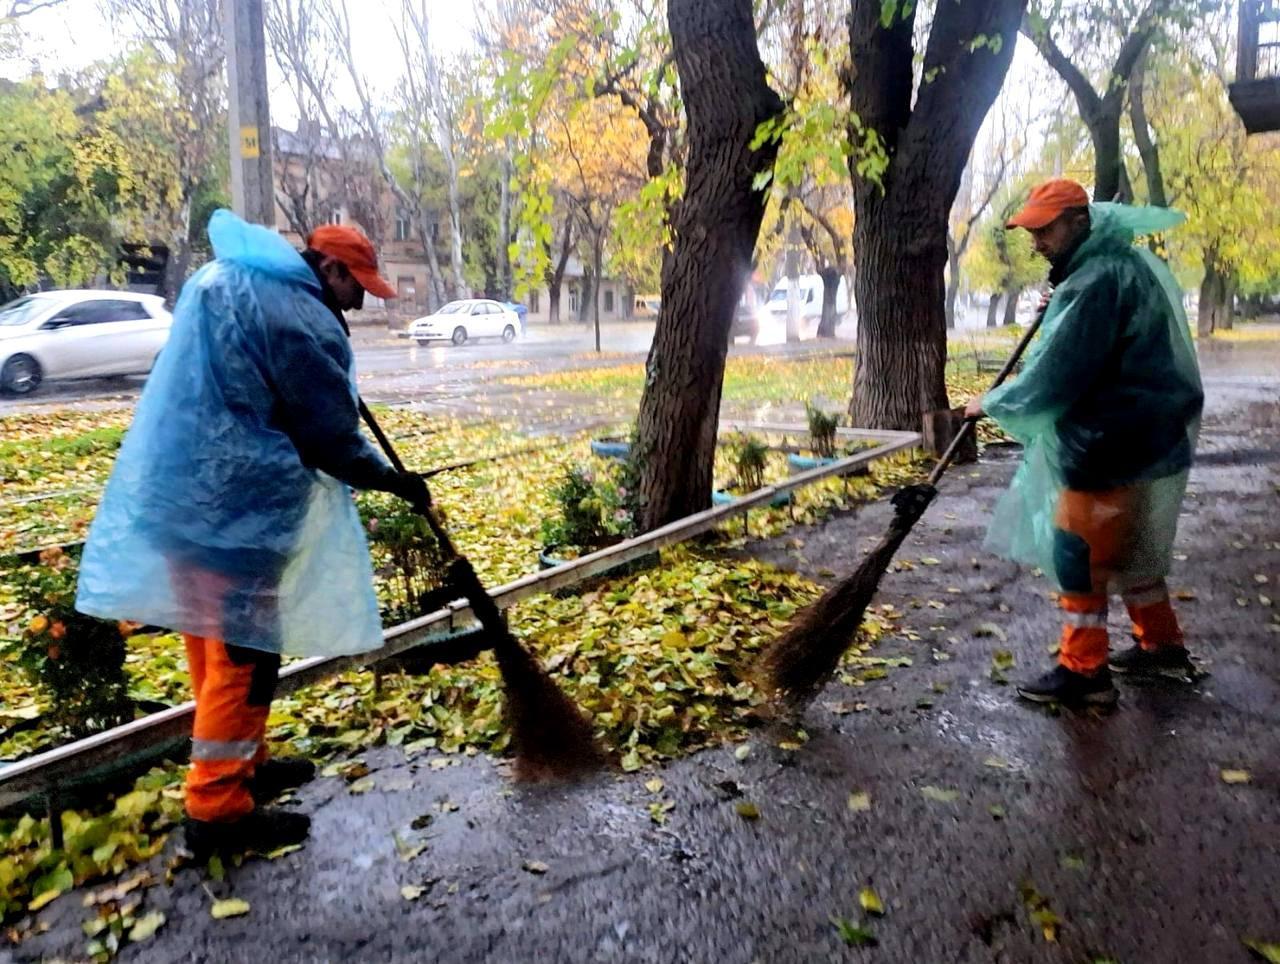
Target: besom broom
798 663
552 739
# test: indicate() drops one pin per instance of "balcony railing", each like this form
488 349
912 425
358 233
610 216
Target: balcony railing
1256 92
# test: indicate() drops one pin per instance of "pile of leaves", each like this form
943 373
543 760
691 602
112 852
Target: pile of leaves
658 660
124 833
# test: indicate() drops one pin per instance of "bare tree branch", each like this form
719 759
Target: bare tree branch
18 9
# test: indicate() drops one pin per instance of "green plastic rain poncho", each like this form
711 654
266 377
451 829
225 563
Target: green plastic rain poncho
1109 398
217 520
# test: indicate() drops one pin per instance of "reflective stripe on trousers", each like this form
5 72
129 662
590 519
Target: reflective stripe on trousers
1084 644
1083 648
233 687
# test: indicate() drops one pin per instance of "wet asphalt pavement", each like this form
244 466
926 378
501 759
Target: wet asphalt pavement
1119 824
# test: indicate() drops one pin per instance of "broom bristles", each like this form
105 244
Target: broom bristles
798 663
551 738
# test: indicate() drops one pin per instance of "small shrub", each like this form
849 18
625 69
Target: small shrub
750 457
76 661
595 509
822 431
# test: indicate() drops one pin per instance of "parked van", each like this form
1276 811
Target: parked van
810 286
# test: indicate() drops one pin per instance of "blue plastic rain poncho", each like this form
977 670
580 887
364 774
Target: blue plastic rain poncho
1109 399
216 520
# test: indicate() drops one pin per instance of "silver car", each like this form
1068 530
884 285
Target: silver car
79 334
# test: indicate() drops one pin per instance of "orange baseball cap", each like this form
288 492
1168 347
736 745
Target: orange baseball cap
1047 202
354 250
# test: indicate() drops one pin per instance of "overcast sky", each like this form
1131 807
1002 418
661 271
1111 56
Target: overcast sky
75 34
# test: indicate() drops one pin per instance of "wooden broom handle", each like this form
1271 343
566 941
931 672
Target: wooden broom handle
437 529
970 424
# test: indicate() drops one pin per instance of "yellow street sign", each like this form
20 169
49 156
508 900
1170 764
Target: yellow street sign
249 146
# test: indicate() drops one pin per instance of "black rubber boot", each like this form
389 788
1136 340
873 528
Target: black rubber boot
278 774
261 831
1167 661
1061 685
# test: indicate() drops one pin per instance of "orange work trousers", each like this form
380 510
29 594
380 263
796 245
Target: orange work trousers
1095 534
233 688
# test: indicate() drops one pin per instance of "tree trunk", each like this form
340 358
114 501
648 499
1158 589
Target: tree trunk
1225 310
597 255
953 282
993 307
435 290
726 98
830 276
555 277
504 226
793 285
1147 148
455 231
901 223
902 328
1101 113
1011 306
175 269
1109 182
1217 298
553 302
587 294
1208 299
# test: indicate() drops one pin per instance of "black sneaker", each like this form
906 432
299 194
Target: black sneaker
261 831
1061 685
278 774
1171 661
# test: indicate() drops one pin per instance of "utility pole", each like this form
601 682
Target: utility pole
249 113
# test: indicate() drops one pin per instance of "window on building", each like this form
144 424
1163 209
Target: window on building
535 302
608 301
435 230
575 300
335 217
402 229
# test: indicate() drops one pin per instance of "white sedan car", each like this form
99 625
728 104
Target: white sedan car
459 320
79 334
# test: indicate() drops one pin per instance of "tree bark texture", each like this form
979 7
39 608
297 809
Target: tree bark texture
993 309
726 97
901 224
